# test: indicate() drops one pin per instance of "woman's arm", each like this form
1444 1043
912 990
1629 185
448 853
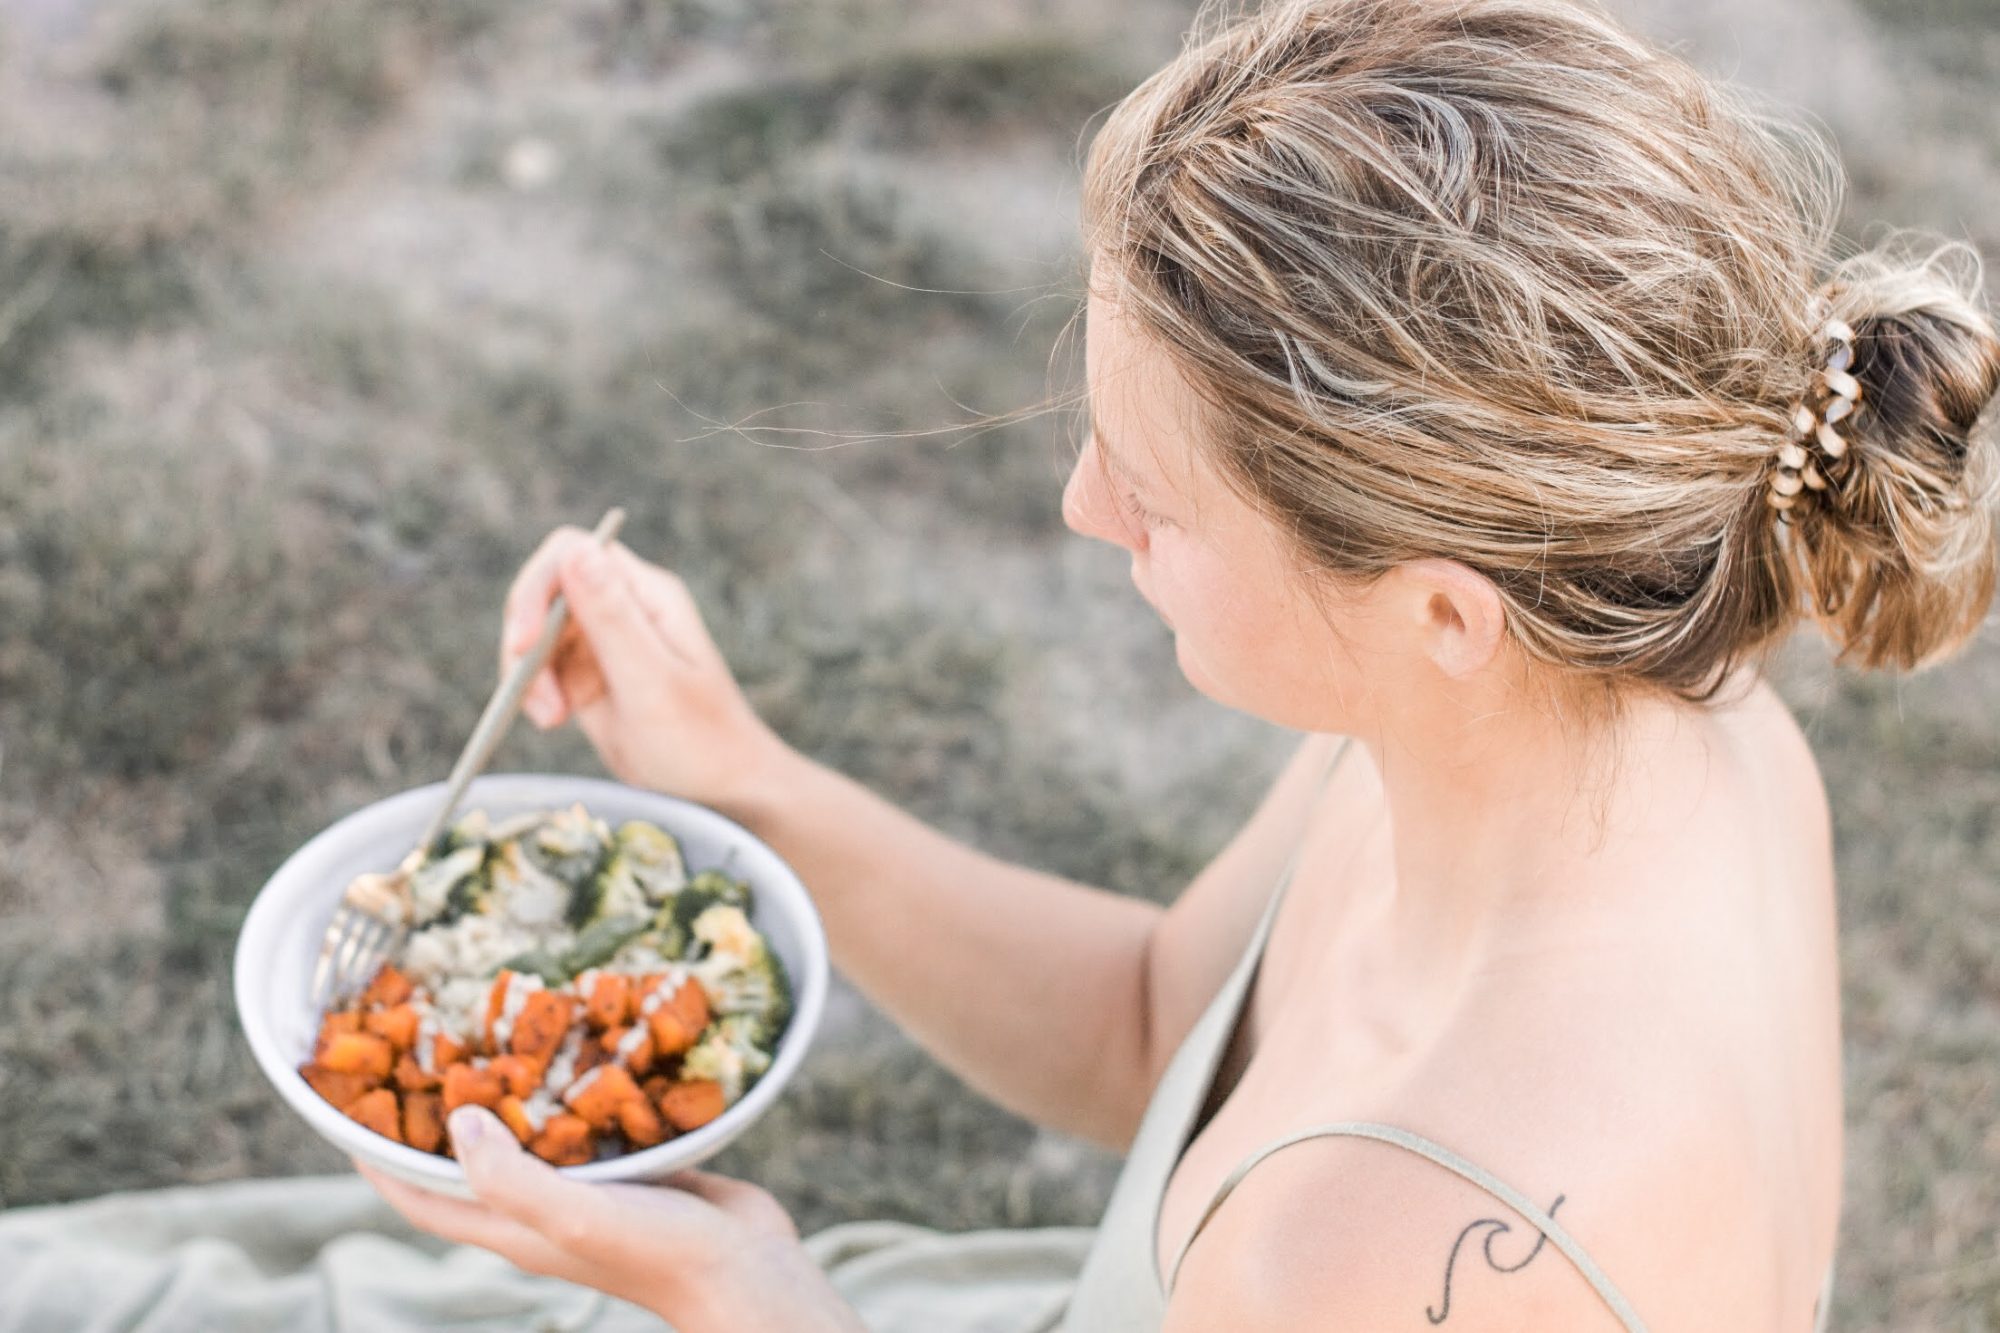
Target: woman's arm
1028 986
1059 1001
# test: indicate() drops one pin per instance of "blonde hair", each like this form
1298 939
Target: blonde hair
1496 281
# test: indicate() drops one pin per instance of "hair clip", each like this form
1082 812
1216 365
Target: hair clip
1797 471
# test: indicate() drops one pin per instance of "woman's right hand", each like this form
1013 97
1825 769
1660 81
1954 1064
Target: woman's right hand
637 670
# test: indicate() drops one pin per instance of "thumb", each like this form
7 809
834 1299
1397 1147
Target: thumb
511 1180
628 648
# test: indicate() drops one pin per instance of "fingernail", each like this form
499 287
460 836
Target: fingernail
466 1125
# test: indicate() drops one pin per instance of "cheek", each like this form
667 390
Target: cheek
1203 597
1240 636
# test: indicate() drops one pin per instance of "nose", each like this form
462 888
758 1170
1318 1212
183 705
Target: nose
1087 504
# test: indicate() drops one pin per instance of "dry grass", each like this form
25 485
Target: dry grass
313 318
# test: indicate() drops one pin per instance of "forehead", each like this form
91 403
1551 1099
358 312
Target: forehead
1143 410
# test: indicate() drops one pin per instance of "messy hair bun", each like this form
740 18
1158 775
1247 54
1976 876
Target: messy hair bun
1896 559
1496 281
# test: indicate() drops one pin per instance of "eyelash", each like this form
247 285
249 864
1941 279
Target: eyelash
1146 516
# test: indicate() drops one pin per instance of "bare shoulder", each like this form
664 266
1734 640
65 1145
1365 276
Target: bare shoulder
1769 739
1354 1233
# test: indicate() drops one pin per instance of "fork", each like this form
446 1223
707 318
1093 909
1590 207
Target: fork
374 913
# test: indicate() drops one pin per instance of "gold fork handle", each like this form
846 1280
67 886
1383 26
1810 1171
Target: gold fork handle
506 700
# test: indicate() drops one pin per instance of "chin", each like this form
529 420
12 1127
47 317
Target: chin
1198 676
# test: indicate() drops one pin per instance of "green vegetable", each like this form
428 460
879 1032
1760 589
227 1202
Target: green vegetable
742 975
652 858
601 941
596 946
539 962
706 890
728 1053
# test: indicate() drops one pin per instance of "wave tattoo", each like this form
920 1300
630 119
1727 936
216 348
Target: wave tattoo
1496 1228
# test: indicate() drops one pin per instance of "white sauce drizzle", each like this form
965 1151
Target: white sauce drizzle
520 985
558 1082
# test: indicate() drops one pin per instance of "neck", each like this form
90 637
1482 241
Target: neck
1493 793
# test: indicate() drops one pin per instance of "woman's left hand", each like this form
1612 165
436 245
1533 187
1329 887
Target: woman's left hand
706 1253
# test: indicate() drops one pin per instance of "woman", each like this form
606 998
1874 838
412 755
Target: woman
1474 381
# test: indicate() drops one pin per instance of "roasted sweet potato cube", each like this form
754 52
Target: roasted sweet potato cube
692 1103
359 1053
565 1141
656 1088
410 1076
671 1036
387 989
598 1095
590 1056
690 1002
641 1122
342 1023
397 1026
609 1003
378 1111
521 1075
637 1052
469 1085
513 1113
496 1003
340 1090
542 1025
447 1050
423 1120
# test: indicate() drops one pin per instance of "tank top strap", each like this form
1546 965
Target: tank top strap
1450 1161
1260 935
1253 953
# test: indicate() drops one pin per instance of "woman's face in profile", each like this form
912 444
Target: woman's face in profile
1250 628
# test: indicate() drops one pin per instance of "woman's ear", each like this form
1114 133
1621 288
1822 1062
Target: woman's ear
1460 619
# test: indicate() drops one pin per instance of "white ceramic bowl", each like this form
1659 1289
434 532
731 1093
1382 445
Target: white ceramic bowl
281 936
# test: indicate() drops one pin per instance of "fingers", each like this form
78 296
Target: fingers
628 617
671 607
717 1189
526 606
746 1202
629 648
466 1223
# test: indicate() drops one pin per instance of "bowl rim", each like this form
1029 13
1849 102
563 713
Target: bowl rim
267 914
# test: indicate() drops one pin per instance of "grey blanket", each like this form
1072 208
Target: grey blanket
325 1255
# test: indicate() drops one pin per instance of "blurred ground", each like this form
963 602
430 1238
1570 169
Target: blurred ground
314 317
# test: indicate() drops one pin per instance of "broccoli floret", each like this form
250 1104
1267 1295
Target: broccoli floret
610 892
758 991
742 974
677 916
572 847
728 1053
727 931
652 858
472 829
450 886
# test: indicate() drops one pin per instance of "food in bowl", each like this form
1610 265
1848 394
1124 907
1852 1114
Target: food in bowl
573 979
